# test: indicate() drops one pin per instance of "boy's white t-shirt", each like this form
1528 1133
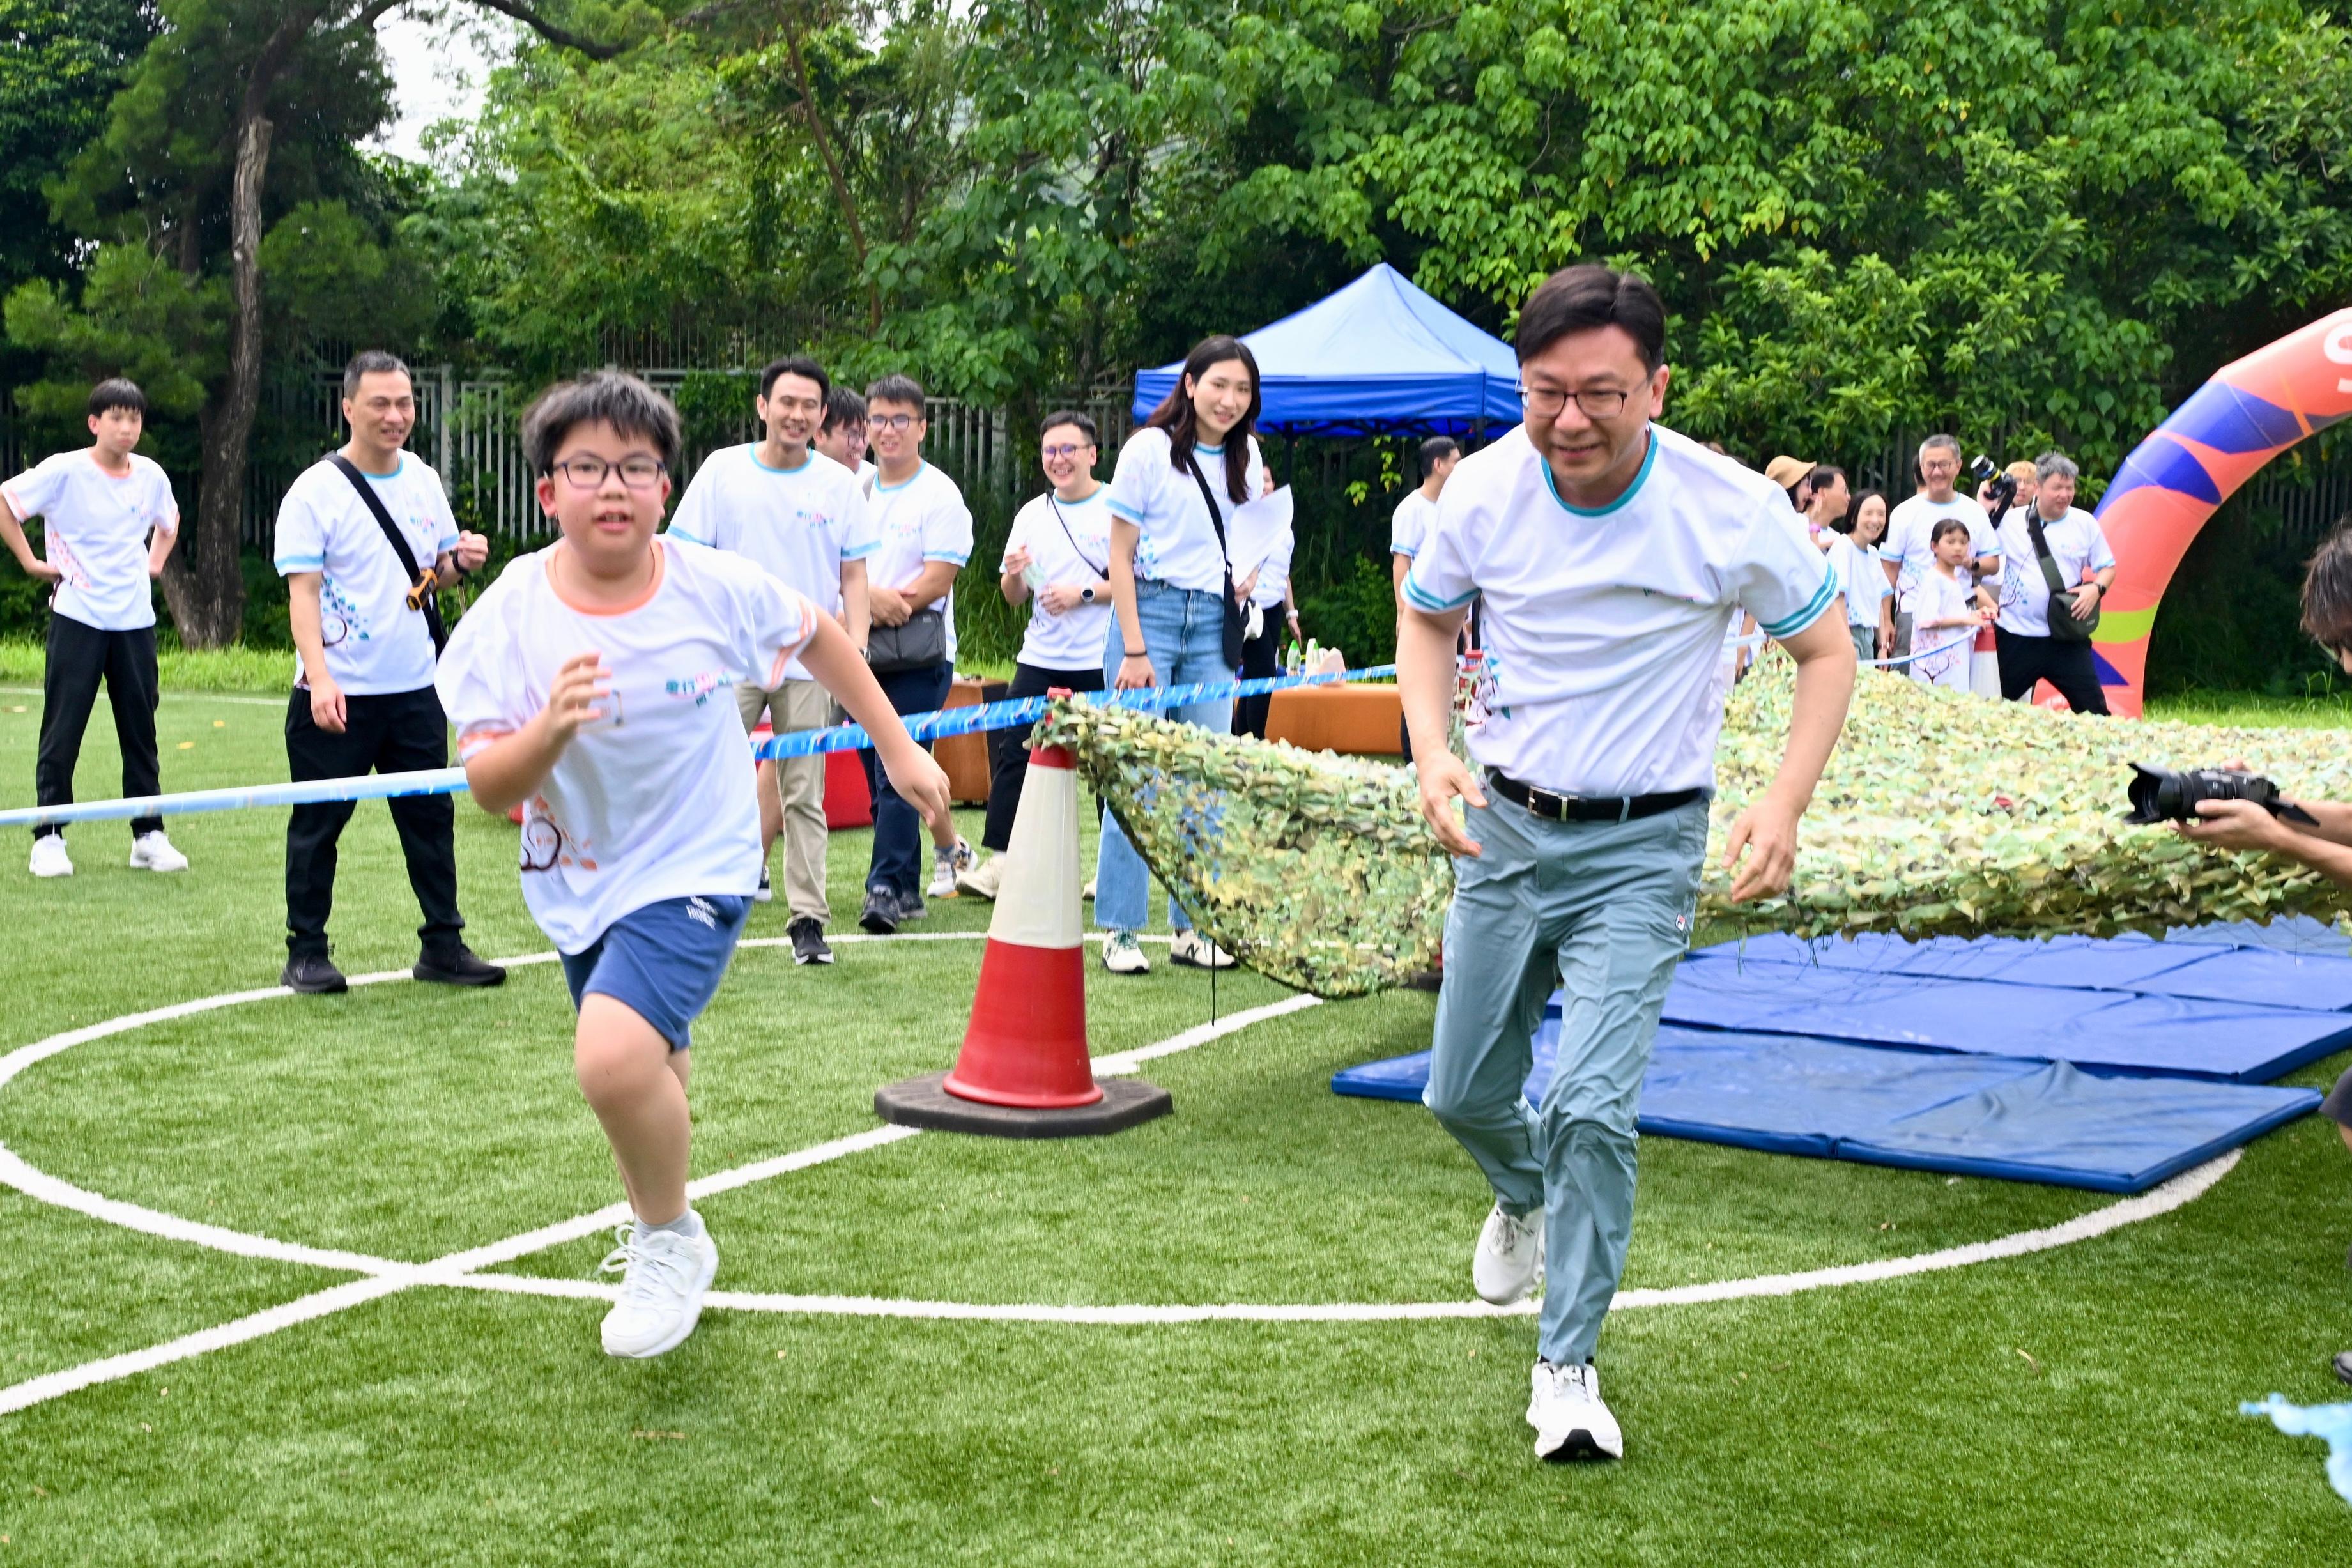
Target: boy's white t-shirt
1178 543
1908 529
1939 598
2078 545
1073 547
94 530
920 519
1605 628
1408 525
799 523
653 800
375 644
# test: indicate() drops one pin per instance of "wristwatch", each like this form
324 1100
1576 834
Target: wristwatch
1087 595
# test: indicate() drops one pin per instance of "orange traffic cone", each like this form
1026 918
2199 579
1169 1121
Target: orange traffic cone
1023 1071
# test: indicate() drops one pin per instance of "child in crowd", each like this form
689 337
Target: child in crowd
592 685
1947 605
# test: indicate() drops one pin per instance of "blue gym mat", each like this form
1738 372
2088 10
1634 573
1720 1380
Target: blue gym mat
1965 1114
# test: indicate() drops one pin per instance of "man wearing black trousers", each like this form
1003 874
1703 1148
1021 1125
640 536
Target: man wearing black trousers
363 698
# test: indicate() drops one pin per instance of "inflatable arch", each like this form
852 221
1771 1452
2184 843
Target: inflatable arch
2248 414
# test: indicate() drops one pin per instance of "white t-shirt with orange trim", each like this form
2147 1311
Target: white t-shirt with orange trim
653 800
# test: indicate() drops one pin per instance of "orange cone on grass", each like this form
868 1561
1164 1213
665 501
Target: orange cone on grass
1023 1071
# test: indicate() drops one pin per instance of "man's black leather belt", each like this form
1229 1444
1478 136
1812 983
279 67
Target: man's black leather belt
1543 802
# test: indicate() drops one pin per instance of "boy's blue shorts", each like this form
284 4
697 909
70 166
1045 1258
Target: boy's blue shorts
663 961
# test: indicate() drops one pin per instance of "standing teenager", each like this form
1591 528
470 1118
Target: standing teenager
1611 555
1408 525
1056 561
362 534
803 517
1178 478
107 524
926 534
590 686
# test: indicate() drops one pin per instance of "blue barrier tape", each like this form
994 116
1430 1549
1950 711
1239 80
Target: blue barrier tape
937 724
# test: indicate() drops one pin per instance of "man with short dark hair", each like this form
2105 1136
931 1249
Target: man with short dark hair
109 522
1611 555
802 516
363 698
1408 525
2031 650
842 437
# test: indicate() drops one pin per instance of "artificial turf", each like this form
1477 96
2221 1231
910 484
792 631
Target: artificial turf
2077 1406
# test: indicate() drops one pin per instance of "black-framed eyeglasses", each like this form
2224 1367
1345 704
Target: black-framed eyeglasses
889 421
1595 402
588 473
1052 453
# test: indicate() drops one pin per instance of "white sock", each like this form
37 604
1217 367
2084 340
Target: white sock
688 1224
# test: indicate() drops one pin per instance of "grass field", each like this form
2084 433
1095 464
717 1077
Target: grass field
2075 1407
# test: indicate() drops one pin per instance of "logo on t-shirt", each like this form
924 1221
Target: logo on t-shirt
697 688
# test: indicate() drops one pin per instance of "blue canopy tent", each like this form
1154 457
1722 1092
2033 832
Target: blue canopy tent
1378 358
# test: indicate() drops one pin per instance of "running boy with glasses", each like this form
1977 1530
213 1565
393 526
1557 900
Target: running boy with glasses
1612 555
592 684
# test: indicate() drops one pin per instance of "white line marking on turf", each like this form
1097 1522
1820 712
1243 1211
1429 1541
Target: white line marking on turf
383 1276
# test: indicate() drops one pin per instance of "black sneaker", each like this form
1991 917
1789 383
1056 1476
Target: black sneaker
2344 1367
880 915
458 966
312 974
809 945
912 908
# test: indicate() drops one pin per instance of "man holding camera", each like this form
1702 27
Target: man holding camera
2044 633
2325 844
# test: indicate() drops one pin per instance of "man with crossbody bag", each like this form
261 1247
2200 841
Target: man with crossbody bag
2048 608
353 536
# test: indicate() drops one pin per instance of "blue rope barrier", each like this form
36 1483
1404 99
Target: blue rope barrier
935 725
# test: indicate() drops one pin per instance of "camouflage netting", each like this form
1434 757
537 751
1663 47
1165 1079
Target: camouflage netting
1940 813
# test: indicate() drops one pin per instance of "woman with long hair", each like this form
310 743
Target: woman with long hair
1179 479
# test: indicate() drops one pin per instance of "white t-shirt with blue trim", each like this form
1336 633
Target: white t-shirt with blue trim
654 800
1604 627
1178 543
1070 542
799 523
375 644
1408 525
918 520
94 530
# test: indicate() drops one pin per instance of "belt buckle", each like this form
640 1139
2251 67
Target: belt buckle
1547 803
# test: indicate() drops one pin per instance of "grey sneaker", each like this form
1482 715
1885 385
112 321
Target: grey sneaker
880 916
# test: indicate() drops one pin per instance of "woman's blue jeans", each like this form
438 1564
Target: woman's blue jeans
1185 633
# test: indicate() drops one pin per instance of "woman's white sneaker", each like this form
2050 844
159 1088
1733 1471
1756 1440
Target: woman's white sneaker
1122 954
981 881
1190 947
49 856
153 852
1509 1264
1571 1421
664 1274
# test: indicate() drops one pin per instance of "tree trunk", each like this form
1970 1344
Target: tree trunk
840 183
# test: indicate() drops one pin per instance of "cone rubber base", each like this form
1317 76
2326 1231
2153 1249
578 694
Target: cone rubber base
923 1102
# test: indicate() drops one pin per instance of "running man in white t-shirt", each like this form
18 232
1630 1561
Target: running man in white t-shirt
1908 550
1408 525
1610 556
593 685
107 524
363 698
802 516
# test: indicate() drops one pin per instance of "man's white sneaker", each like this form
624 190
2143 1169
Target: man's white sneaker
1509 1264
663 1276
153 852
947 865
1569 1420
1122 954
49 856
1190 948
981 881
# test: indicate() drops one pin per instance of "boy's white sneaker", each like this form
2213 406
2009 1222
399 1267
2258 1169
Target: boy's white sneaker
49 856
153 852
1122 954
1571 1421
1190 947
947 865
664 1274
1509 1264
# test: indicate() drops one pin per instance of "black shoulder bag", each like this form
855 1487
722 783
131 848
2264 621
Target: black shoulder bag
2065 625
1235 630
420 593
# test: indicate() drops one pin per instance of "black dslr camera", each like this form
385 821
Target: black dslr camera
2158 795
2003 493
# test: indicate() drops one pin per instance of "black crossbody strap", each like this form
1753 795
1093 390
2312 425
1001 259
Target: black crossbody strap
1098 571
1216 516
2033 530
420 596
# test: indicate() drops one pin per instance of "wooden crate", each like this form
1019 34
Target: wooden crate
1361 719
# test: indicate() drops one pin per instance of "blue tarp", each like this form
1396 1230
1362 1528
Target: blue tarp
1378 357
1965 1114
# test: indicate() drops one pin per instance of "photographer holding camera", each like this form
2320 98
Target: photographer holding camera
2325 844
